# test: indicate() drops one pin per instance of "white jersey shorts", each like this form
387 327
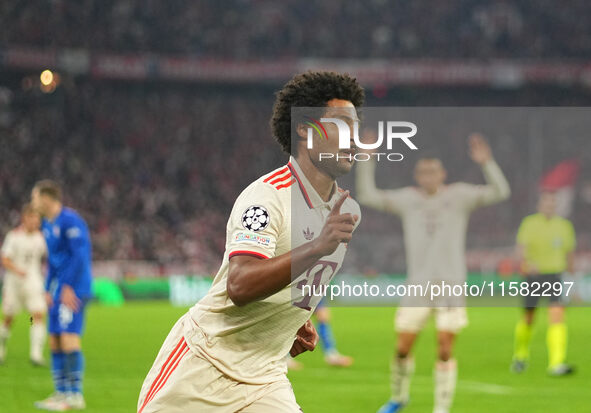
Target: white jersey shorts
413 319
21 293
181 381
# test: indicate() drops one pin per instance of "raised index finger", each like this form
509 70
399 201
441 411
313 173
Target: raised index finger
336 209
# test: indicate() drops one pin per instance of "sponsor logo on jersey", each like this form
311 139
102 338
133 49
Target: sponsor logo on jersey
252 238
73 232
308 234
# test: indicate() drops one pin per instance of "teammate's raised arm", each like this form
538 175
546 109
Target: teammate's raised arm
480 151
367 192
497 188
251 279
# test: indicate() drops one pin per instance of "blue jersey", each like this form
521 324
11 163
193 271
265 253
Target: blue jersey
70 254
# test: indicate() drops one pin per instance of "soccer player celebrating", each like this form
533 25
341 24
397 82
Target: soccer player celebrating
227 354
68 286
434 218
22 253
545 246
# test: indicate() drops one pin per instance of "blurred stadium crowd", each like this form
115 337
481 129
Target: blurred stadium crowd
154 173
268 29
155 169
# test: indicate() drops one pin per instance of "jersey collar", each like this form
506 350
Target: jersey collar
55 219
313 200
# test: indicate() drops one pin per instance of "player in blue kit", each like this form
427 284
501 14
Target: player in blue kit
68 288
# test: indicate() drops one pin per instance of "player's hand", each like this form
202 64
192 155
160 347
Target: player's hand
337 228
306 339
480 151
49 300
69 299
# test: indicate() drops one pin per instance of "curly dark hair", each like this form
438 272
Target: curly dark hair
310 89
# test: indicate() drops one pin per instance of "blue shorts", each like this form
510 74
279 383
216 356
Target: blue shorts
64 320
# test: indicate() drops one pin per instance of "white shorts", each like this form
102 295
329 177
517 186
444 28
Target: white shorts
18 294
181 381
413 319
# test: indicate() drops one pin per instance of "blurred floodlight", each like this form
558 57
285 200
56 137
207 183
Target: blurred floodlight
46 77
49 81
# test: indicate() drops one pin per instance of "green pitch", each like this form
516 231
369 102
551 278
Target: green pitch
121 343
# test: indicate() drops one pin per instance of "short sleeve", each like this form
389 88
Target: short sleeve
256 223
8 246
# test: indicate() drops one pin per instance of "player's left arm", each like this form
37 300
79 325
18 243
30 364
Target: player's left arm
76 238
497 188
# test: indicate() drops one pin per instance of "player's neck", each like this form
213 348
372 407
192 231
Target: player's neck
54 211
320 181
431 192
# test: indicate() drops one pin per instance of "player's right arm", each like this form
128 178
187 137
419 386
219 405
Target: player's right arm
12 267
251 279
369 195
7 252
497 188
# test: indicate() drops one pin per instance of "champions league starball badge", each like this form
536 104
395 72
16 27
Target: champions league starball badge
255 218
